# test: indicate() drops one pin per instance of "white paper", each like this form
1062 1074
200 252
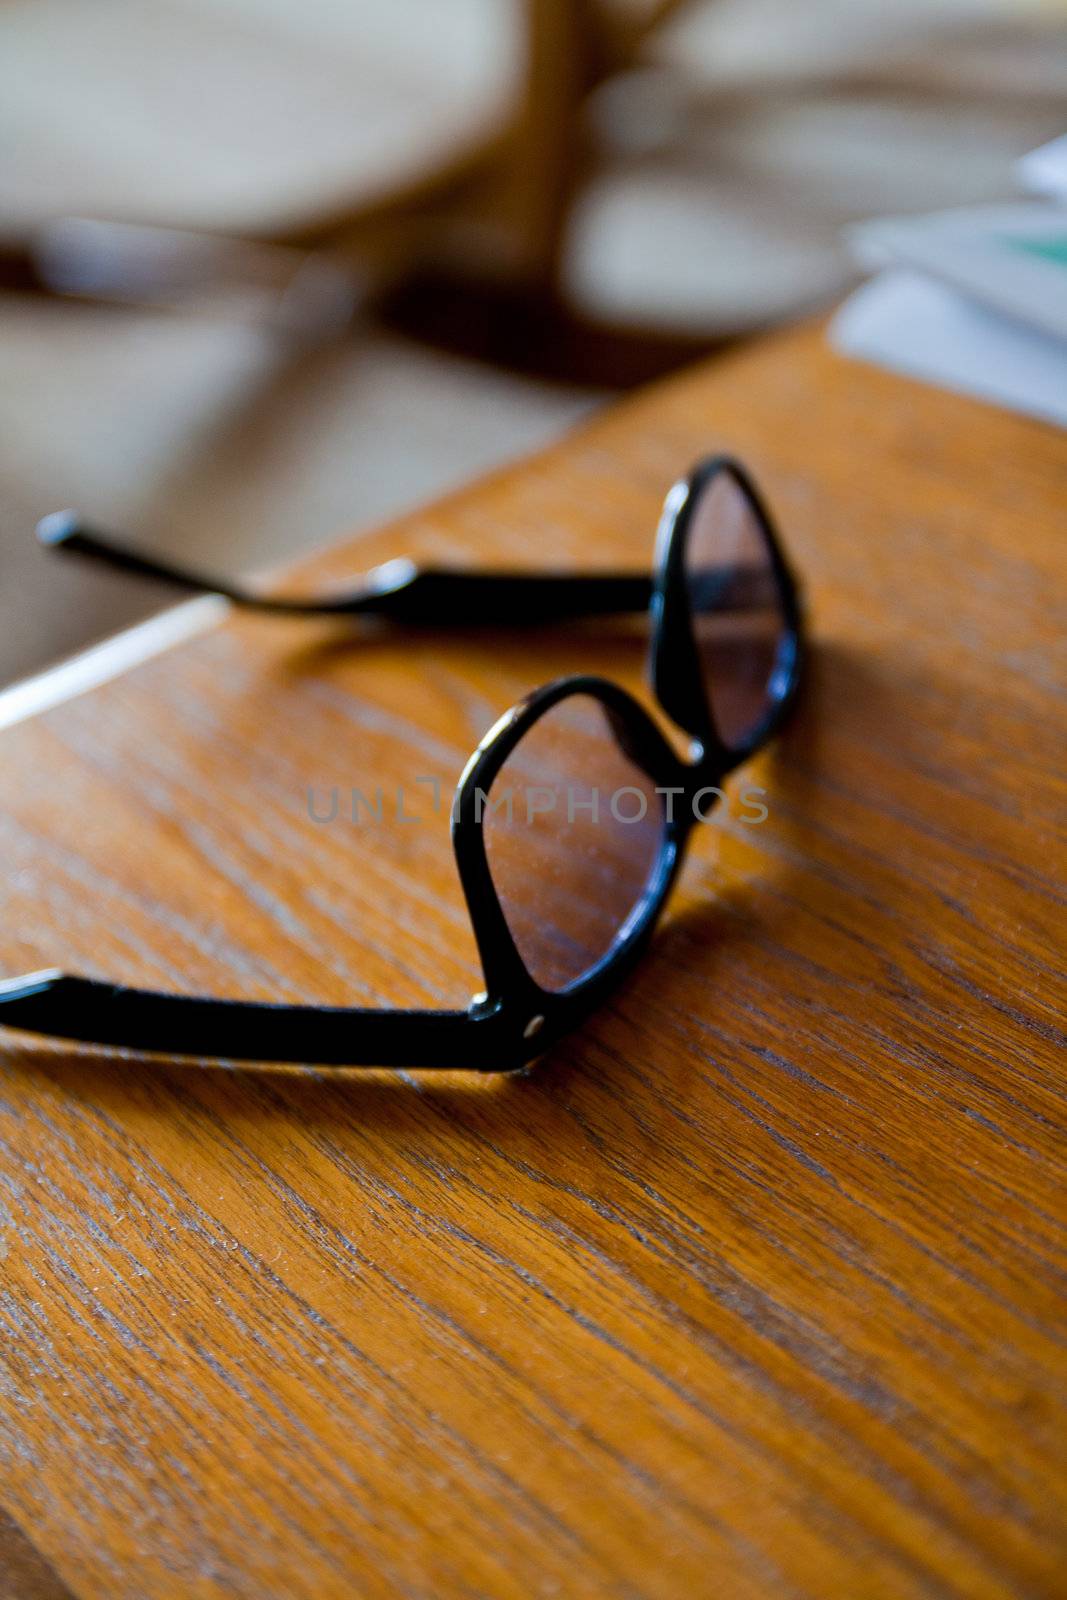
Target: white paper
1044 171
1004 256
913 324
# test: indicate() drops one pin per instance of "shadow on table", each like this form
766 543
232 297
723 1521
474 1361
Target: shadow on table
611 647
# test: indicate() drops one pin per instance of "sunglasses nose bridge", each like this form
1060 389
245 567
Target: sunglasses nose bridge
645 746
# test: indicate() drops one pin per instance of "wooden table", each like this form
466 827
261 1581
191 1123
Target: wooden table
752 1288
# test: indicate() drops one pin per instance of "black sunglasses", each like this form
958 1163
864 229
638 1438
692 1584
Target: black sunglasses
570 820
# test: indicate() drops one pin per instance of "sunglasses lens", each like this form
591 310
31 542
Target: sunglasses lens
574 833
738 614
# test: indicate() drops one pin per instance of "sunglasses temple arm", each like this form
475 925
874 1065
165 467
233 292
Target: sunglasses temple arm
397 590
402 592
91 1012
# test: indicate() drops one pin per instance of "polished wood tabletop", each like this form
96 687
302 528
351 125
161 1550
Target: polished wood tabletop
752 1287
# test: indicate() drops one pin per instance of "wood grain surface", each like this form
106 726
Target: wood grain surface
755 1287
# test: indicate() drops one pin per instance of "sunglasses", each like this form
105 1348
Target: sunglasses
570 820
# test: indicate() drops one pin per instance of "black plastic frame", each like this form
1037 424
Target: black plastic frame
515 1019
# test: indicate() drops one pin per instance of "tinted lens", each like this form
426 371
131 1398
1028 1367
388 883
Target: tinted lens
573 832
738 616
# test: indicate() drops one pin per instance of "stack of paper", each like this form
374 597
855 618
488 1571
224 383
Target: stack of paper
975 299
1044 171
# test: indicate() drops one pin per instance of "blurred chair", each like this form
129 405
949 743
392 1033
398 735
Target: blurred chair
592 188
506 166
185 148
